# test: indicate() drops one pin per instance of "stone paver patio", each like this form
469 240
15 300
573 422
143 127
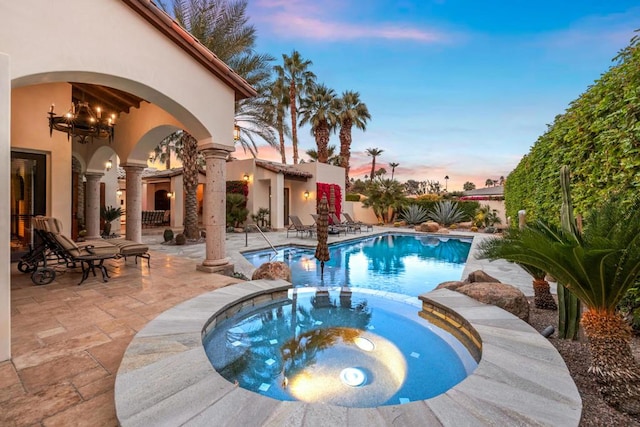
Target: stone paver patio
68 340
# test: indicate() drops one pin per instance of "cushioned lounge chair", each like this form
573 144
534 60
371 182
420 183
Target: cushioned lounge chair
348 227
299 227
350 220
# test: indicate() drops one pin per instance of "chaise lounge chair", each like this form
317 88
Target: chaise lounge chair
299 227
348 227
360 223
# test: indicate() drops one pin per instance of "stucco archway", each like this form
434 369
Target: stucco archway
148 55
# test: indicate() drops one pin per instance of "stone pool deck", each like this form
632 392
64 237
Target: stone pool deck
165 377
68 340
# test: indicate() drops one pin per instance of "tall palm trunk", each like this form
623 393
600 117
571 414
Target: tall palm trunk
613 364
294 123
345 148
322 141
373 168
190 177
280 125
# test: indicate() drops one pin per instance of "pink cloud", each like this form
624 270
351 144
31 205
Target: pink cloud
303 19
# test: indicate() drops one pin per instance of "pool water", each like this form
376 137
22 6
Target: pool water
341 347
399 263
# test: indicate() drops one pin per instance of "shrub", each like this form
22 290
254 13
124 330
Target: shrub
446 213
168 235
352 197
414 214
236 210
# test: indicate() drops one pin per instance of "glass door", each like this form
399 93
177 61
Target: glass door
28 198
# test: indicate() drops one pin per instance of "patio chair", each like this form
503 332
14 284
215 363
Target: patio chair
299 227
350 220
348 227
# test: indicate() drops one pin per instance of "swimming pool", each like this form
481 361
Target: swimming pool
401 263
342 347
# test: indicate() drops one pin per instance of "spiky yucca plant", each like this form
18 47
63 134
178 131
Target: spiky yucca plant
599 267
414 214
446 213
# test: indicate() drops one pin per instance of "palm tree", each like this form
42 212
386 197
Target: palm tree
468 186
333 158
222 26
489 182
279 98
353 112
320 109
385 197
393 167
598 266
373 152
300 80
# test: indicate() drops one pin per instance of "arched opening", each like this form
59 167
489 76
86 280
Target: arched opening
162 201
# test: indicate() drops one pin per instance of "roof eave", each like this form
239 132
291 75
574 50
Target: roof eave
170 28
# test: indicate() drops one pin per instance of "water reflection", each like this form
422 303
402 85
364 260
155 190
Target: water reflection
337 347
408 264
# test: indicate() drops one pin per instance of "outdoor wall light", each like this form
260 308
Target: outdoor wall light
236 132
109 165
306 195
246 177
169 195
118 192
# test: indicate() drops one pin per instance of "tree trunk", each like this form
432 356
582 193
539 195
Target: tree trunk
322 141
542 295
280 125
294 124
345 149
373 168
612 363
190 177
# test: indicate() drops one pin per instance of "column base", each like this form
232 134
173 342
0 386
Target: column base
225 269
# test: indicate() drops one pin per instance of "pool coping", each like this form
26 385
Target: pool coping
165 377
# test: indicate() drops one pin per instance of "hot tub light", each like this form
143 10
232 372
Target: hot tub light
364 344
353 377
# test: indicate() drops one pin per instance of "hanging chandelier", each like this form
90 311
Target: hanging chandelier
83 123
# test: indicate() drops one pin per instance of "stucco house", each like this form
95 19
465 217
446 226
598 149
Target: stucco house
146 74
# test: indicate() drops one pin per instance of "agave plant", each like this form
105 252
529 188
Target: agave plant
446 213
414 214
598 266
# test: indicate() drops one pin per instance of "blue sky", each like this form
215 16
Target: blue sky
457 88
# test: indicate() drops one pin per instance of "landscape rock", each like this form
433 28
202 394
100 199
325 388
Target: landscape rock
452 286
480 276
505 296
272 271
428 227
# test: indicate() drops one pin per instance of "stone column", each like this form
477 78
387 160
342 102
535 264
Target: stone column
5 221
214 209
92 199
134 202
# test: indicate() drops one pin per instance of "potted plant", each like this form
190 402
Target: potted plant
109 214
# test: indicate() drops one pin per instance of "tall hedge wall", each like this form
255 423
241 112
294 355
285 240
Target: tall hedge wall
598 137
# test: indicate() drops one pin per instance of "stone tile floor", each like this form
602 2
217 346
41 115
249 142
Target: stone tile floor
68 340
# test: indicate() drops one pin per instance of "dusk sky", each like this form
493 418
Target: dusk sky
457 88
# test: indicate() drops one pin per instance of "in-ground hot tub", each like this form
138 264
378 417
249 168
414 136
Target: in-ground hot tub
165 377
344 346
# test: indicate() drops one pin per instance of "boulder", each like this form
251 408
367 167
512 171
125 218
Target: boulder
452 286
272 271
480 276
505 296
428 227
467 224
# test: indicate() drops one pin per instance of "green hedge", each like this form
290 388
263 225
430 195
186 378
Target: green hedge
598 137
352 197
